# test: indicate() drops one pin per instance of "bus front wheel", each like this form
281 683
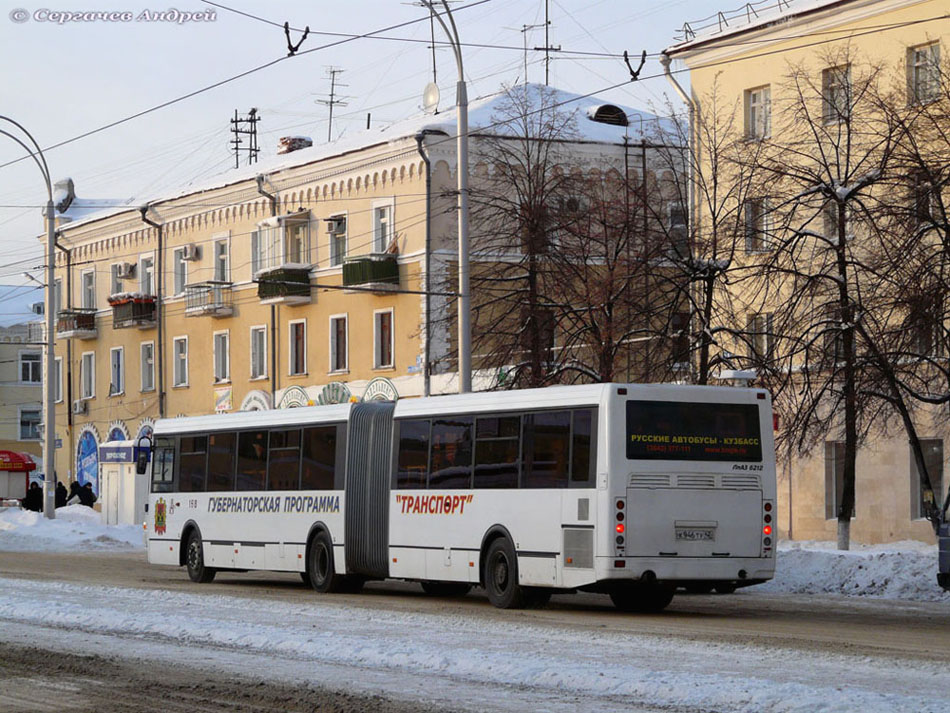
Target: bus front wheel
501 576
320 567
195 560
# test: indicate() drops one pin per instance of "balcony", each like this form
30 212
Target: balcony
133 309
79 323
376 272
285 285
212 298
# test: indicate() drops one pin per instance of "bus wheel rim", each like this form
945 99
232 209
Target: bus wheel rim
501 572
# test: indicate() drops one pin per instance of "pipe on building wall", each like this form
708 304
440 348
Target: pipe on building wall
159 307
426 373
273 308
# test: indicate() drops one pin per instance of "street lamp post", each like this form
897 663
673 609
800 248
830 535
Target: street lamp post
49 426
464 298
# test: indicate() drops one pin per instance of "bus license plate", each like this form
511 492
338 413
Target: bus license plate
695 534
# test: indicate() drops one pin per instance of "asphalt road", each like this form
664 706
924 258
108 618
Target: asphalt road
873 628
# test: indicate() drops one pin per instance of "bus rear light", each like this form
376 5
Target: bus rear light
619 516
768 518
767 541
620 527
621 392
620 504
768 507
570 560
620 563
395 560
619 539
767 530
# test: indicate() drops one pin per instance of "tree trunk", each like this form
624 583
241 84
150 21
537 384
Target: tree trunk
846 506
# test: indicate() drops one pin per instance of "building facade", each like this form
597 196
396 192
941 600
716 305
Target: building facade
300 280
21 383
765 64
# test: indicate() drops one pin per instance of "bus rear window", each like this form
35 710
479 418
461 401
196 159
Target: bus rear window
676 430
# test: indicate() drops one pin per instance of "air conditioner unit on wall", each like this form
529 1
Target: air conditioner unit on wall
191 252
80 406
126 270
336 225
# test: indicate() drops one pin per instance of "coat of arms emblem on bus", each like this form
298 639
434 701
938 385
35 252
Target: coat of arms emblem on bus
160 517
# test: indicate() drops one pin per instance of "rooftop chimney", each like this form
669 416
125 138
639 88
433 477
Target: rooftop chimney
287 144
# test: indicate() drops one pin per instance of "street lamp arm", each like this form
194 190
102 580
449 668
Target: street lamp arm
41 165
452 33
39 152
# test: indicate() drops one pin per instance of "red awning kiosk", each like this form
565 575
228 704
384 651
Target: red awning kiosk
15 471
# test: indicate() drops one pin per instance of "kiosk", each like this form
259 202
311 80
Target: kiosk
122 492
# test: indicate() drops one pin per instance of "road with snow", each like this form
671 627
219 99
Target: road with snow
146 638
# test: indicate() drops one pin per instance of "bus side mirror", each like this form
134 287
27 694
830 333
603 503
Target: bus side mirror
141 462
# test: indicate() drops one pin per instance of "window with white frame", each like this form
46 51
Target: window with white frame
147 353
258 352
836 93
336 227
87 375
339 355
179 270
383 339
88 288
281 241
758 225
758 113
222 357
180 360
297 241
297 353
382 226
30 424
933 460
58 296
116 371
257 252
759 330
58 383
923 70
147 275
31 367
222 267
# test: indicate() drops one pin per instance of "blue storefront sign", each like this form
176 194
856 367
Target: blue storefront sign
87 461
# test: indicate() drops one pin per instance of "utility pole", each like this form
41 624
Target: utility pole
245 126
333 100
548 48
524 41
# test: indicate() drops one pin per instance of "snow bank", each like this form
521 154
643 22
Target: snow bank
898 570
75 528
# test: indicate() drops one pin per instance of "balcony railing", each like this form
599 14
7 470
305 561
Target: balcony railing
132 310
212 297
284 286
79 323
376 271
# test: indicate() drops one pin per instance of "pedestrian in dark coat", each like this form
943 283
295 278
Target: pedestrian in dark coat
74 499
86 496
34 498
61 494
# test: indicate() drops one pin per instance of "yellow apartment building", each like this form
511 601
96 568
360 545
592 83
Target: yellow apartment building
301 279
744 59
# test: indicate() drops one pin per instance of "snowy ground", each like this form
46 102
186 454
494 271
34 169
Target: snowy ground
75 527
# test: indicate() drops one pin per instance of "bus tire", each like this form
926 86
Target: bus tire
320 568
642 598
446 589
501 576
195 560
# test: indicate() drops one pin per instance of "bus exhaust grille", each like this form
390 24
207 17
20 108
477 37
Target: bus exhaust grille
696 480
741 482
649 480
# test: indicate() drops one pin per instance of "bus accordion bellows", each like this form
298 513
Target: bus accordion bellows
630 490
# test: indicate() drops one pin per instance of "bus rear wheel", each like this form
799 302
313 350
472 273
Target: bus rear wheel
195 560
642 597
320 567
501 576
446 589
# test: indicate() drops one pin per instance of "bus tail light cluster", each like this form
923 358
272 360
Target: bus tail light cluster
767 521
620 524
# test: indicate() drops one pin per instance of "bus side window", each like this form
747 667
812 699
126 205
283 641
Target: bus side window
193 464
163 466
221 447
319 458
252 460
451 463
412 462
546 449
582 465
497 447
283 462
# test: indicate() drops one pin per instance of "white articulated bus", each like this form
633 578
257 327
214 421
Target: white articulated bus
624 489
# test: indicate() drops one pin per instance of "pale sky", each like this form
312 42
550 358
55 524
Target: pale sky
60 81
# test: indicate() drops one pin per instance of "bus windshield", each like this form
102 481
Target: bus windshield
679 430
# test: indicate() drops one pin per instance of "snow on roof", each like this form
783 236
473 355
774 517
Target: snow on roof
750 16
483 118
